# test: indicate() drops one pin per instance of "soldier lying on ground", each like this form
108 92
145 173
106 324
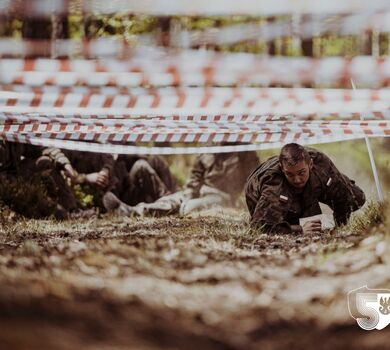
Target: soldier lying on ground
216 179
133 178
285 188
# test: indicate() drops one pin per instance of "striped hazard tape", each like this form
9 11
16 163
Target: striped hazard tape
41 8
130 149
187 101
197 68
100 47
195 132
182 120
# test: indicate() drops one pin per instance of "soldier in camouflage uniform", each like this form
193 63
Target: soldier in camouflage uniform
143 179
286 188
86 168
29 186
216 179
132 178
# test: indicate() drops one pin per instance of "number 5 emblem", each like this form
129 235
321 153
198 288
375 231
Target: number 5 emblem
370 307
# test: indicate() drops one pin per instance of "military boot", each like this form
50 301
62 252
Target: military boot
113 204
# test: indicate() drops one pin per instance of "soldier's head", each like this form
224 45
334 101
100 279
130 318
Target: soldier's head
296 164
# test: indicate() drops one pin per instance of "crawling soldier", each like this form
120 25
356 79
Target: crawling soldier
285 188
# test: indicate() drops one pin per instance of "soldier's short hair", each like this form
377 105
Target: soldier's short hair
292 153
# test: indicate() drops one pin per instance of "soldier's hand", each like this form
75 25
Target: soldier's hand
99 179
92 178
312 227
102 179
70 172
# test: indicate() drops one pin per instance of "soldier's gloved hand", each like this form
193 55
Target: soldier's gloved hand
312 227
70 172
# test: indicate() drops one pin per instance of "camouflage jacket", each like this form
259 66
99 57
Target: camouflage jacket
12 154
275 205
226 172
84 163
156 162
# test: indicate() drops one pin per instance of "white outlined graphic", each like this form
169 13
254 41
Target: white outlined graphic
370 307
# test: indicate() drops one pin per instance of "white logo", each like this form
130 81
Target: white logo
370 307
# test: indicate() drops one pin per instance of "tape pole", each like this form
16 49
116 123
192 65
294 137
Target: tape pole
372 160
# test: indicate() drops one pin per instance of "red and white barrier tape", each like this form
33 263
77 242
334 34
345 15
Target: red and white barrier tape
207 69
199 93
154 60
184 126
123 120
100 47
129 149
309 109
248 7
205 133
187 96
40 8
188 101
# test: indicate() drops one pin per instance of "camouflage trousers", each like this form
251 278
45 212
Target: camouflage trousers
141 184
183 203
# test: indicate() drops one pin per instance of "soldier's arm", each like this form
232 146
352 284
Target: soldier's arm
108 163
102 178
270 213
57 156
63 162
340 192
196 179
344 197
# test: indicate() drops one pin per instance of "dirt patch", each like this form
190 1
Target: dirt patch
184 283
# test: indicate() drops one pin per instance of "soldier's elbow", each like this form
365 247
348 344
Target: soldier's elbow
361 200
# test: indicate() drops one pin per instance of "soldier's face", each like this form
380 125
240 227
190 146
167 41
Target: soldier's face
297 175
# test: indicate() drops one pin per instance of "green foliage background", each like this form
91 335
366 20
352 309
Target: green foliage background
129 26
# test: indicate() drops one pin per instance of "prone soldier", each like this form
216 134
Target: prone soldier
285 188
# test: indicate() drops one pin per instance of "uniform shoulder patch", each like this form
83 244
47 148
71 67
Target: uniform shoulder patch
283 198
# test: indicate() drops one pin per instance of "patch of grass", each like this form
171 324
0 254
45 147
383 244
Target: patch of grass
28 198
373 214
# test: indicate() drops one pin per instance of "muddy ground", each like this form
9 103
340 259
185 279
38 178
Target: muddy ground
203 282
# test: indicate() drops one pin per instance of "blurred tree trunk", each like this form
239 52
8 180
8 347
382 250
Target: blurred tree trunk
44 29
366 44
271 44
164 37
307 47
36 28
